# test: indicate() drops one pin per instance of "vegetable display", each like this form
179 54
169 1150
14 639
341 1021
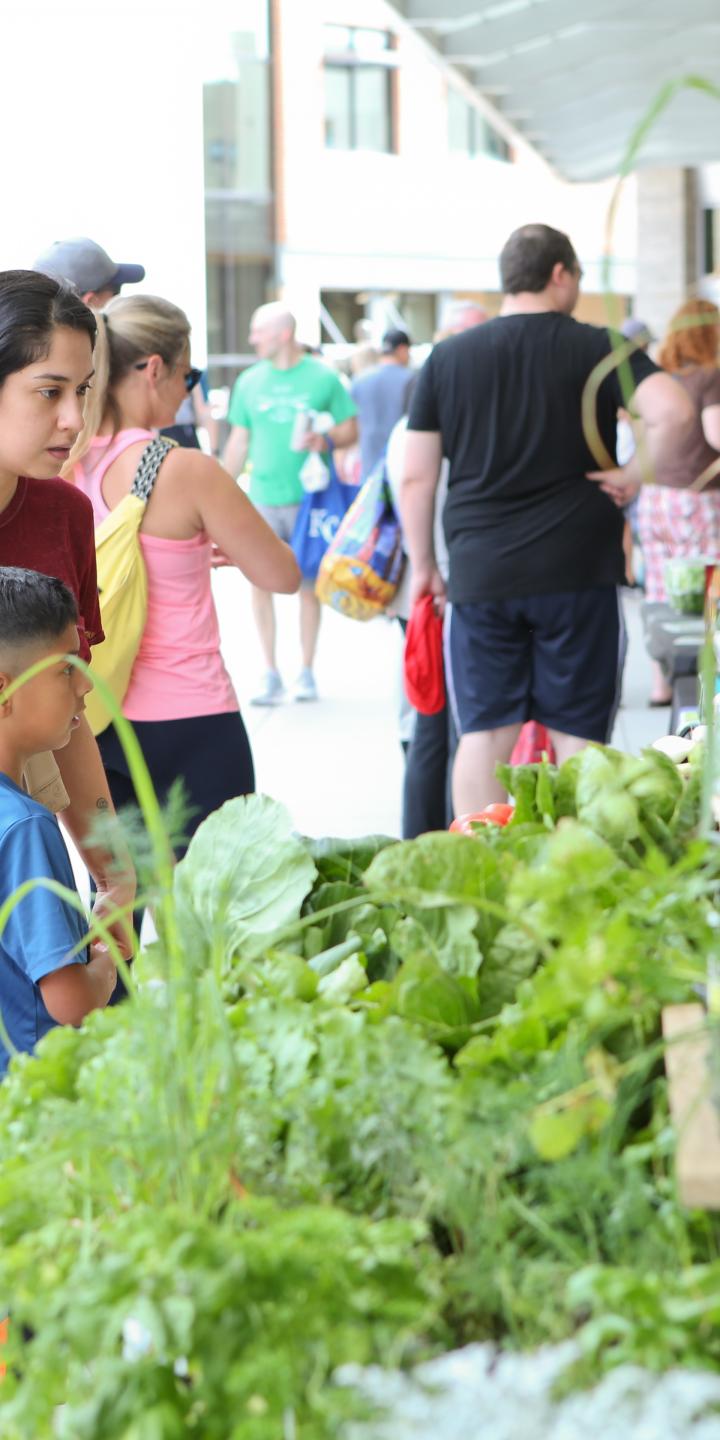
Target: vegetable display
496 814
685 582
381 1100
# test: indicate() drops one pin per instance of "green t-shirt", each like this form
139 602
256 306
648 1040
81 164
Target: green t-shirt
265 401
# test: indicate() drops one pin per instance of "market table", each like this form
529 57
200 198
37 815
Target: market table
675 641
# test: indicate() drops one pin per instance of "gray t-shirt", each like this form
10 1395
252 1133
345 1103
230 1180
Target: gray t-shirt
380 398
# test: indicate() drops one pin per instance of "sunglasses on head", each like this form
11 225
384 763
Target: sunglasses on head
191 377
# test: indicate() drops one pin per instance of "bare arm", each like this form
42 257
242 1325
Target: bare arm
419 481
342 435
236 450
233 523
711 425
84 778
668 415
71 993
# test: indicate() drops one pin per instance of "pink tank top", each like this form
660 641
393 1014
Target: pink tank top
179 671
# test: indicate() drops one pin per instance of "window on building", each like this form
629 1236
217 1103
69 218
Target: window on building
469 133
360 68
346 311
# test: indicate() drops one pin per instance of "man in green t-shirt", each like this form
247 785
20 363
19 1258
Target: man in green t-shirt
266 413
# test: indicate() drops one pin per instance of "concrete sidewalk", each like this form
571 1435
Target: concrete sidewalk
337 763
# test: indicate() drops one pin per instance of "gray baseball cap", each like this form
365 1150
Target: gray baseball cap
84 264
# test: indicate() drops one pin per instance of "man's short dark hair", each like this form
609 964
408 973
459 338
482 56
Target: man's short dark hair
529 257
393 339
33 607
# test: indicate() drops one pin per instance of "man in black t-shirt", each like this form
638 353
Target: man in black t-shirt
534 529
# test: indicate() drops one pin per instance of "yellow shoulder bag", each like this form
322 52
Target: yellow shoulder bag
122 586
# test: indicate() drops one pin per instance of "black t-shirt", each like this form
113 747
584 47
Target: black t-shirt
506 397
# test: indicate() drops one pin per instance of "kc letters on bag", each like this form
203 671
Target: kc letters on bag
318 520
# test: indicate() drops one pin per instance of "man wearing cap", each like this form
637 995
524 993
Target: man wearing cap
380 395
85 265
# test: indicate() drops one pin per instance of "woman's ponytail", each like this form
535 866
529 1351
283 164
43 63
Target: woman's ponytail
97 398
129 329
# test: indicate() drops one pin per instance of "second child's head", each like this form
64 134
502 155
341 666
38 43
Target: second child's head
38 619
47 335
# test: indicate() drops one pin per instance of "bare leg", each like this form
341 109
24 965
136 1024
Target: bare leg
660 692
264 613
474 782
566 745
628 553
309 625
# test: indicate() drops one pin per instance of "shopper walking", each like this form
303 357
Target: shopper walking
180 698
271 413
535 545
380 396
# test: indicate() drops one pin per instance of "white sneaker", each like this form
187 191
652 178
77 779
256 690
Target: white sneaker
273 690
305 687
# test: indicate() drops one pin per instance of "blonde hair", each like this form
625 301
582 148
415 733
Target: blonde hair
693 343
130 328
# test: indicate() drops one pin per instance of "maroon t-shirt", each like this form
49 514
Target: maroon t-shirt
48 526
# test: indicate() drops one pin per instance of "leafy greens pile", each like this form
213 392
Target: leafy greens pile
381 1099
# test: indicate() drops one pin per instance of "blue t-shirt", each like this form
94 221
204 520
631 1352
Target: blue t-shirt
42 929
380 396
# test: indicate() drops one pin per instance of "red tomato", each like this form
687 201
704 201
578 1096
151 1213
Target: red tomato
497 814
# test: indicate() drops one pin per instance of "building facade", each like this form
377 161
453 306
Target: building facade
353 173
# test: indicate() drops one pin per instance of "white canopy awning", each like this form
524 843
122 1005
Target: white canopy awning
576 77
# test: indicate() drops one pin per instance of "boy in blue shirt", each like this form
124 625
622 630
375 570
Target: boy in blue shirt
42 983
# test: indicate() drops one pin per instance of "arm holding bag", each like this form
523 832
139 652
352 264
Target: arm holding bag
319 516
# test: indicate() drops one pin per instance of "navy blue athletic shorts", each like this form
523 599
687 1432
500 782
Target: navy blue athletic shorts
556 659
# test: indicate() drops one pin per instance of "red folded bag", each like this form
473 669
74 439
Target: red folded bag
423 665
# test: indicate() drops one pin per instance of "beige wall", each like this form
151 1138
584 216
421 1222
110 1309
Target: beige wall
668 243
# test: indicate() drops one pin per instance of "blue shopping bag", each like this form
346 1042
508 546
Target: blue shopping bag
318 519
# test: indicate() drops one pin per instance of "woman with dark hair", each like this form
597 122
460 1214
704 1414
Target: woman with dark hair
180 698
47 336
675 519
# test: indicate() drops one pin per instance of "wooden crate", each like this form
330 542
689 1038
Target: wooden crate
695 1117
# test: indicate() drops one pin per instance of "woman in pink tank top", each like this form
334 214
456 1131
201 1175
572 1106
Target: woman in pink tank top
180 698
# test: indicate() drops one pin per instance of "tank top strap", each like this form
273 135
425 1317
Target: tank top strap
118 444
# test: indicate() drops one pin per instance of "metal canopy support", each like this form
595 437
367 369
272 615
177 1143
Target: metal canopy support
576 79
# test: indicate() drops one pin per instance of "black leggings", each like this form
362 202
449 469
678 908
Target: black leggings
427 801
210 753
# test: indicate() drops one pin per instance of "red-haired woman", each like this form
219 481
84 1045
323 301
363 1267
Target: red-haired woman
674 519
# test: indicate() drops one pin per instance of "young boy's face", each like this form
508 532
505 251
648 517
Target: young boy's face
45 710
